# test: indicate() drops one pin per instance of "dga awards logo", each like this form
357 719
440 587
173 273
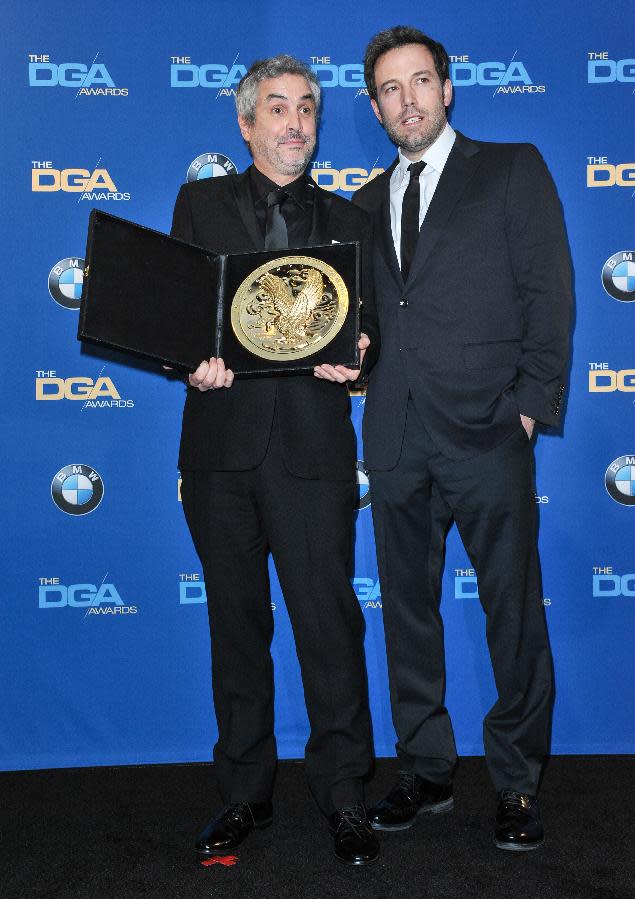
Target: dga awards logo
66 279
103 599
618 276
602 70
619 480
77 489
349 179
191 589
210 165
225 78
368 592
215 75
602 173
93 393
348 74
506 77
607 582
92 80
95 185
465 583
604 379
363 485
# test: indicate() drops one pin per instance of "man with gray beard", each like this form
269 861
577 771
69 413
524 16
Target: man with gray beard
268 467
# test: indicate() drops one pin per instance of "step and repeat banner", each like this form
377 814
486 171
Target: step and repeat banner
105 647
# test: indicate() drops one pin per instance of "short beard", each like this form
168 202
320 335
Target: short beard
417 143
281 165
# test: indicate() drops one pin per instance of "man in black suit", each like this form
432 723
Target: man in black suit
473 295
268 466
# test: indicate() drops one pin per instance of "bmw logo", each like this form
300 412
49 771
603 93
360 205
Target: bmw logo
618 276
620 480
77 489
65 282
364 486
210 165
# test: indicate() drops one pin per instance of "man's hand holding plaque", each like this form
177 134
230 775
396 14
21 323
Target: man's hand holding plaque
341 373
210 375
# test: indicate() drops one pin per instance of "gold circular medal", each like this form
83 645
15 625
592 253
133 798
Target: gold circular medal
290 307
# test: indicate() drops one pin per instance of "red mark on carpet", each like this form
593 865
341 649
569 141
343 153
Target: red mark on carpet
227 860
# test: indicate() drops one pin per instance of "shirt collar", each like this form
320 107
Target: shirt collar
435 156
261 186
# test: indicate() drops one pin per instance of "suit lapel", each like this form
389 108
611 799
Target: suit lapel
245 205
385 228
461 165
322 202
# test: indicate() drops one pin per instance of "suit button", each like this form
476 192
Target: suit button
403 302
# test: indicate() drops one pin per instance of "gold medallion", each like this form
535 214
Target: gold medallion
289 308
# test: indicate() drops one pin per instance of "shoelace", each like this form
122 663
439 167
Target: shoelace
512 799
354 816
408 782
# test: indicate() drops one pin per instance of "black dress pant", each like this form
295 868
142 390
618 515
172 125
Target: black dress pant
492 500
236 519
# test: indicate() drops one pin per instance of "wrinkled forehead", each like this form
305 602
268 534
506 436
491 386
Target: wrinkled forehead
291 88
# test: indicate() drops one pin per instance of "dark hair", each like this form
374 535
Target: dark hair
247 91
400 36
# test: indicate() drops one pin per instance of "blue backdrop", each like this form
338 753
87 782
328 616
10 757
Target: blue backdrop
104 636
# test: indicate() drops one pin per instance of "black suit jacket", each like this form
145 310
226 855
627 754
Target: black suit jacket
480 331
229 429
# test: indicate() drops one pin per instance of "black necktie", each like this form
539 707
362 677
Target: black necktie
276 237
410 218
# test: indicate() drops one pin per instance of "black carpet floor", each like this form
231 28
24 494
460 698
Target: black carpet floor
113 833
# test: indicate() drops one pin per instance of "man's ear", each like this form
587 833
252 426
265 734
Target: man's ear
447 92
245 128
376 110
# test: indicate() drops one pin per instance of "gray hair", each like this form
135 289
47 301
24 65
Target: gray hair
274 67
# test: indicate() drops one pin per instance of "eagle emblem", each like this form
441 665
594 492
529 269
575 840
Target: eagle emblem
291 306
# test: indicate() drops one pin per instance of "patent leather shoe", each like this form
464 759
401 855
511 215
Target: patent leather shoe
232 825
518 824
353 838
412 796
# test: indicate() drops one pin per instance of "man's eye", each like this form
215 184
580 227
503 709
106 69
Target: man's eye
307 110
276 109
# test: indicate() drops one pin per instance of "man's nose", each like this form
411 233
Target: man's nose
294 120
408 95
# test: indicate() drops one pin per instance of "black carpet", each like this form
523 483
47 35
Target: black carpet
127 832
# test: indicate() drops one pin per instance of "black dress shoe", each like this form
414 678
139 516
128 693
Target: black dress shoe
518 824
230 827
412 796
353 838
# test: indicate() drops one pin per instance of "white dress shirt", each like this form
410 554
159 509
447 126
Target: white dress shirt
435 158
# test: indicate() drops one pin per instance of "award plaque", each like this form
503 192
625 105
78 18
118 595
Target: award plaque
289 308
265 313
